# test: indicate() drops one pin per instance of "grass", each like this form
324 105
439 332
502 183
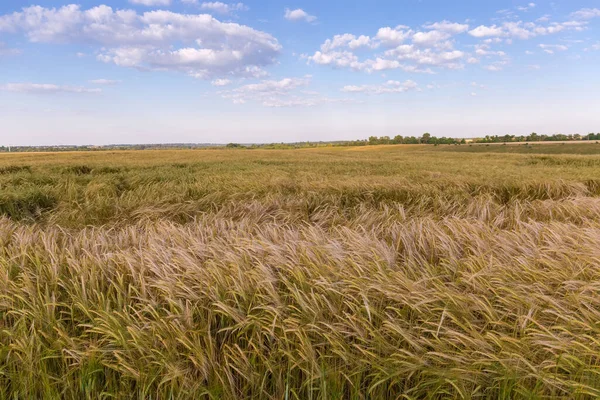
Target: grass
346 273
580 148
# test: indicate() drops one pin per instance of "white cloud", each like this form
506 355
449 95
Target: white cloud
596 46
430 38
492 40
380 64
151 3
400 58
286 92
544 18
388 87
447 26
265 92
527 7
198 45
534 67
107 82
485 31
221 82
586 13
516 30
552 48
393 36
427 56
339 59
427 49
484 50
435 47
347 40
45 88
521 30
493 68
274 87
223 8
298 15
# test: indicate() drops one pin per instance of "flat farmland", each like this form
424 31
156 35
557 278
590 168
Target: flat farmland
407 271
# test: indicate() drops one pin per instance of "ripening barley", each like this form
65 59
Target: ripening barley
341 275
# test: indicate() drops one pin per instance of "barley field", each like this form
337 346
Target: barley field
380 272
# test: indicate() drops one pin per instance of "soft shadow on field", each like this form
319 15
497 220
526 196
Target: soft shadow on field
381 272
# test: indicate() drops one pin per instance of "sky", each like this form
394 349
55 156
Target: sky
189 71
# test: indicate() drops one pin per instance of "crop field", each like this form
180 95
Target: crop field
378 272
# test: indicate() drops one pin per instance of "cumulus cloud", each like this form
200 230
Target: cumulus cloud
401 48
223 8
346 59
393 36
388 87
586 13
198 45
447 26
151 3
338 59
45 88
528 30
347 40
298 15
430 38
429 57
485 31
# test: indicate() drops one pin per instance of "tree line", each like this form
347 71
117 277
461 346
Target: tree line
429 139
426 138
534 137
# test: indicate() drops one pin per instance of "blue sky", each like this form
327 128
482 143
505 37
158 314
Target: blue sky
156 71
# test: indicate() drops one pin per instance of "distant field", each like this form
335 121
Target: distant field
378 272
581 147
